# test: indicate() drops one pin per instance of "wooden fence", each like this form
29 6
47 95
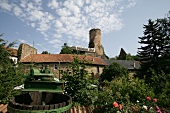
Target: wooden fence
82 109
3 108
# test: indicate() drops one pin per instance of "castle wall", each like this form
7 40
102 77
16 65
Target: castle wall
26 50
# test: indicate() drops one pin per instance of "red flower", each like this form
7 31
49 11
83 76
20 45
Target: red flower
148 98
115 104
155 100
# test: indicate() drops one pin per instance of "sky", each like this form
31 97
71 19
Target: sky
48 24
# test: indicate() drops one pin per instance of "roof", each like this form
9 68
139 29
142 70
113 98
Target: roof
12 51
129 64
63 58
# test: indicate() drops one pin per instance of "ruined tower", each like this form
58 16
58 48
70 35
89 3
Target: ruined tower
96 42
25 50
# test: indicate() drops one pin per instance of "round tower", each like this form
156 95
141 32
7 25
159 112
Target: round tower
95 41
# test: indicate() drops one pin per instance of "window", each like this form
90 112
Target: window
41 68
98 69
55 67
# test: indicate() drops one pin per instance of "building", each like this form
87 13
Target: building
13 54
60 62
130 65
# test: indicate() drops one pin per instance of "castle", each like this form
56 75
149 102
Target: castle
59 62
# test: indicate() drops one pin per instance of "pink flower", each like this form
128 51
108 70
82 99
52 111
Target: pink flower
155 100
158 109
148 98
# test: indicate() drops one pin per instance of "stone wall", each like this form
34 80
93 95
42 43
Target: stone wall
95 41
26 50
96 70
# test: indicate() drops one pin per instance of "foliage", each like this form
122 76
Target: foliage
122 55
154 55
160 84
155 50
10 76
67 50
124 91
45 52
112 71
19 52
128 57
78 85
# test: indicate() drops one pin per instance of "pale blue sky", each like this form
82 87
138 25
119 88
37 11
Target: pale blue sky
51 23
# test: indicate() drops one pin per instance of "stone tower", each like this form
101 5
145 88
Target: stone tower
96 42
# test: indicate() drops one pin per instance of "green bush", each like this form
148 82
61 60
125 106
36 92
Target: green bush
113 71
123 91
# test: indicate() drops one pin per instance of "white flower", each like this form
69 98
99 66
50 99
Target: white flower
118 112
145 107
151 108
137 101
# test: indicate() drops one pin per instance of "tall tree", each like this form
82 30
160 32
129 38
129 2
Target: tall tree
122 55
154 44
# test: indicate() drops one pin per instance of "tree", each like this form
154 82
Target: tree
122 55
10 76
78 85
112 71
155 46
67 50
45 52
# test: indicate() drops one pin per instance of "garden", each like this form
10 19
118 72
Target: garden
148 91
123 94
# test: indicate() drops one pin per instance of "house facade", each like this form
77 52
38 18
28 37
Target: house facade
59 63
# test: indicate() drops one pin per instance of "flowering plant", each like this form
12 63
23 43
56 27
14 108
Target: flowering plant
149 106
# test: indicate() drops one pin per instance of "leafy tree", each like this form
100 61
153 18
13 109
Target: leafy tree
112 71
155 43
78 85
67 50
45 52
10 76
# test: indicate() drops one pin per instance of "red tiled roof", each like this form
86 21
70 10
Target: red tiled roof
12 51
61 58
